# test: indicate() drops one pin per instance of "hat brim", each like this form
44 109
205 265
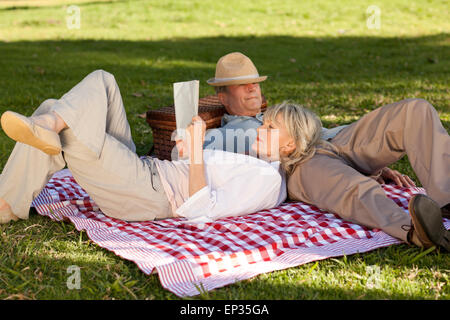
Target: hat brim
218 83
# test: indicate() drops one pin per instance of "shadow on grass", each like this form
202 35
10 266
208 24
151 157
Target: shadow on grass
289 61
341 78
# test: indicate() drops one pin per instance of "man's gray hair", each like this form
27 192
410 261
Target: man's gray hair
220 89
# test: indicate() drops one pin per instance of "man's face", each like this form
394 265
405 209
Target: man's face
242 99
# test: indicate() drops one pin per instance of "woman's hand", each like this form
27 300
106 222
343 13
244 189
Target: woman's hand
193 139
401 180
196 137
182 148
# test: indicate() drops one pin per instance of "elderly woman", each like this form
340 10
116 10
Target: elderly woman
88 131
334 175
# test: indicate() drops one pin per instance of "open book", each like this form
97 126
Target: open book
185 96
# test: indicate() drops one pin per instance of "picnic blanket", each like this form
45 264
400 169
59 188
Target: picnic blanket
190 258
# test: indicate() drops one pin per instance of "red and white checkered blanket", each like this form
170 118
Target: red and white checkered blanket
193 257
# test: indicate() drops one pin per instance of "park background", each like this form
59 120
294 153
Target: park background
339 58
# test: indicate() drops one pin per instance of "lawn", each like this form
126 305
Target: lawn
320 54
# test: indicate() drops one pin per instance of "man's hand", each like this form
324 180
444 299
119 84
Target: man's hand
401 180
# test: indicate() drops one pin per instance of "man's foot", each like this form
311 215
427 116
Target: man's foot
445 210
34 131
427 229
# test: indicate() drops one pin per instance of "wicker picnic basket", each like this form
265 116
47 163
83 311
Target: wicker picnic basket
163 123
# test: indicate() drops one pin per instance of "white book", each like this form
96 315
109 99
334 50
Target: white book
185 96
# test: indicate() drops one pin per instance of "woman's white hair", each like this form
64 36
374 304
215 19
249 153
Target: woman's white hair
303 125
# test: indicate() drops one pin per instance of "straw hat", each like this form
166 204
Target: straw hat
235 68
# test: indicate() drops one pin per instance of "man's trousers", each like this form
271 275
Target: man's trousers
338 180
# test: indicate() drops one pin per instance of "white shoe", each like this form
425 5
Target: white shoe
24 130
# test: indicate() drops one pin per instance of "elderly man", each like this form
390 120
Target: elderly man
237 85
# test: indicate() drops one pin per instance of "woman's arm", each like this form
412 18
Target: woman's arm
196 136
197 180
250 188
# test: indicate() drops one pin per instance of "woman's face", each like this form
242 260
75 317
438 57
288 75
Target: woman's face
273 140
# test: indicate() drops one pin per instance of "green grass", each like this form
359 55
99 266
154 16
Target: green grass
320 54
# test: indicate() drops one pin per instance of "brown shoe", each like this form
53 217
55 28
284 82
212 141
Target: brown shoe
445 210
413 239
427 226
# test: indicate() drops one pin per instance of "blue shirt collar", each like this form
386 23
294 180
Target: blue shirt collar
229 117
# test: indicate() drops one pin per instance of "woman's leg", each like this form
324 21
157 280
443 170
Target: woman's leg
98 149
94 108
101 155
26 173
123 185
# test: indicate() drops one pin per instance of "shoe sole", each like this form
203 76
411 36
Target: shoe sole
428 239
18 128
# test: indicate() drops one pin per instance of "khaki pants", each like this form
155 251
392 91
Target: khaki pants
339 182
99 151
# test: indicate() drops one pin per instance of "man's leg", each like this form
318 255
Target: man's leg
329 183
385 135
410 127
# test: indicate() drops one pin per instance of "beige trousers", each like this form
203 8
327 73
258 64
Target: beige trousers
339 182
99 151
